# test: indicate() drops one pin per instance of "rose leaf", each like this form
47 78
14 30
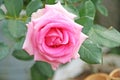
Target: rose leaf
33 6
16 28
90 52
2 15
22 55
13 7
44 68
105 37
36 75
4 51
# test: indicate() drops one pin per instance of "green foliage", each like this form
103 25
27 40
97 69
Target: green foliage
19 43
106 37
50 1
97 1
4 50
87 9
33 6
90 52
13 7
2 14
71 9
97 34
1 1
87 14
115 50
41 71
44 68
101 8
36 75
6 37
21 55
16 28
86 22
73 1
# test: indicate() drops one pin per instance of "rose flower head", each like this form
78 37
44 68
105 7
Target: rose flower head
53 36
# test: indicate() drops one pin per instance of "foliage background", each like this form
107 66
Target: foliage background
18 12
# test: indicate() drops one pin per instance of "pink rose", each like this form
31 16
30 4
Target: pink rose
53 36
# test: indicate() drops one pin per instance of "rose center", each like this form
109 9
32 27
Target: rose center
53 38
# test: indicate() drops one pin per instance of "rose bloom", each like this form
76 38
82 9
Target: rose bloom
53 36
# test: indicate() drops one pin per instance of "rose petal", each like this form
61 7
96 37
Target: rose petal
58 7
28 43
55 65
82 38
38 14
80 41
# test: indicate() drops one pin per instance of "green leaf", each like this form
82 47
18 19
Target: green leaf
50 1
106 37
13 7
1 2
96 2
19 43
73 1
16 28
19 53
36 75
4 51
85 21
6 37
2 15
87 9
115 50
90 52
33 6
22 55
28 20
102 9
87 14
44 68
71 8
